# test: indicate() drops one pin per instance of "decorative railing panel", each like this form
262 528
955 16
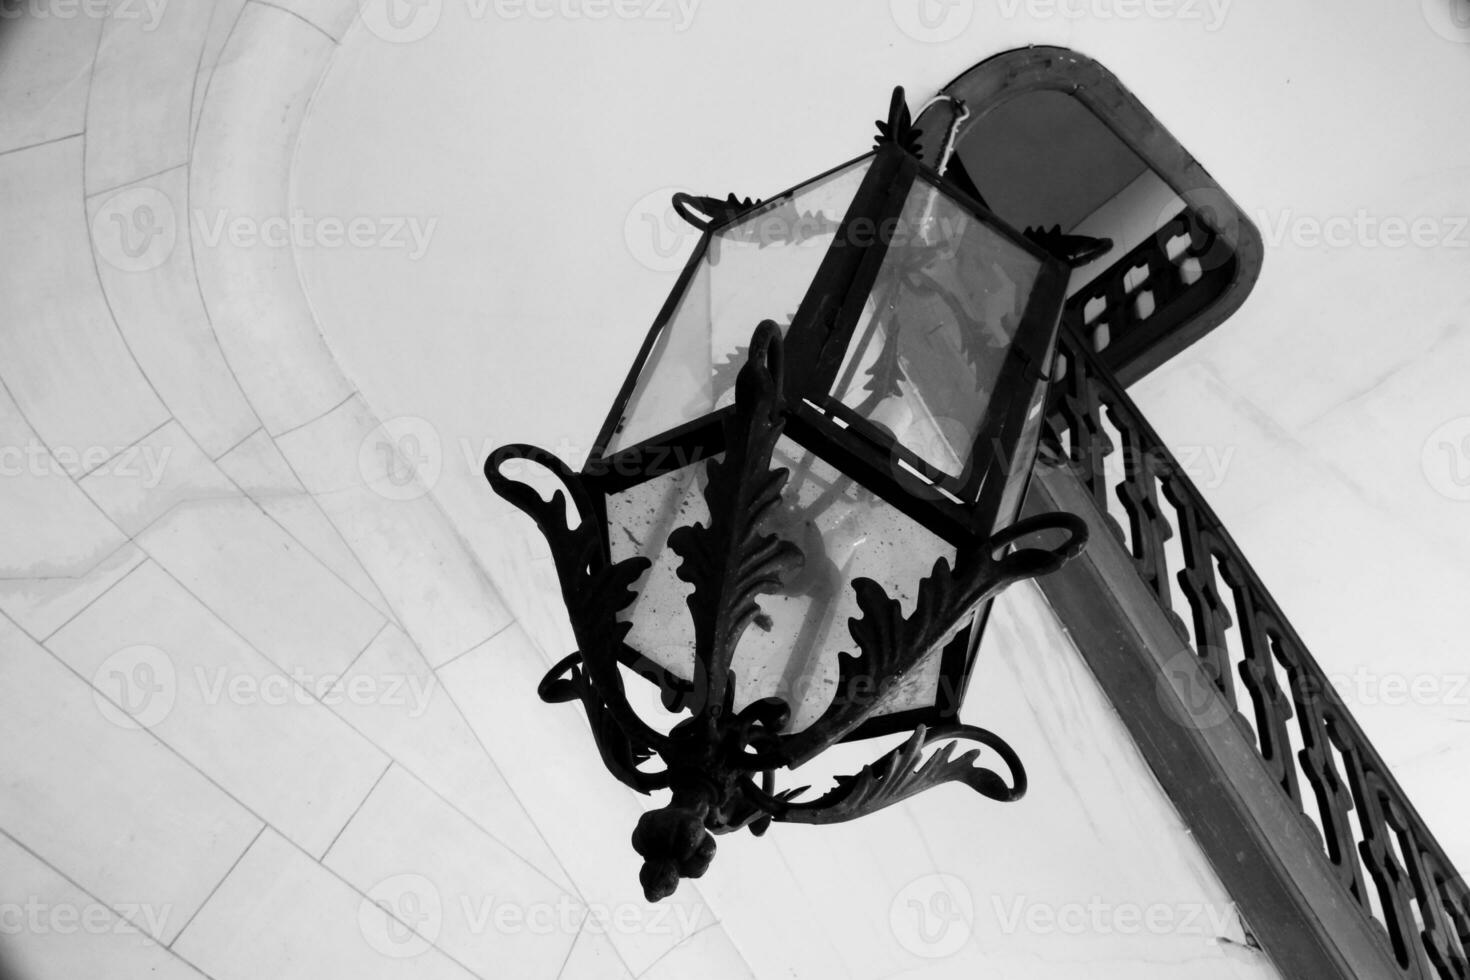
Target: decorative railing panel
1281 701
1134 306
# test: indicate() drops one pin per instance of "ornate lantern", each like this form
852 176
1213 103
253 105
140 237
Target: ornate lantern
795 533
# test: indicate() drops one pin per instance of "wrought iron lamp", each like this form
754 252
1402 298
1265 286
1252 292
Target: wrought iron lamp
796 533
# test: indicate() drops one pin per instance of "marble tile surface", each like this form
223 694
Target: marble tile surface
142 88
45 75
159 311
143 826
56 931
230 712
495 685
257 467
593 957
60 549
264 584
381 501
480 903
418 723
242 222
282 915
160 473
332 17
61 355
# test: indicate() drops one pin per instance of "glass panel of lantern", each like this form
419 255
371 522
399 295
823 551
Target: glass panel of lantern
942 374
755 268
844 531
944 361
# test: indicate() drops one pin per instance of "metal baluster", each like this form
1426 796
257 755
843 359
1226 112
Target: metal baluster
1140 498
1389 877
1273 708
1197 582
1333 800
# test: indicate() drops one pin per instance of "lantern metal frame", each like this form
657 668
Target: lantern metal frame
714 757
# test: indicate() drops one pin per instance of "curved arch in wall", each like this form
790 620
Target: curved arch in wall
1186 299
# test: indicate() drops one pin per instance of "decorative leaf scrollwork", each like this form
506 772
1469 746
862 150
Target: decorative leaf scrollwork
899 129
594 589
783 224
899 774
890 645
732 561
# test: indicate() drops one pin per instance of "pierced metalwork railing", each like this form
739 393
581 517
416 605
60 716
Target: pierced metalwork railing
1137 312
1382 853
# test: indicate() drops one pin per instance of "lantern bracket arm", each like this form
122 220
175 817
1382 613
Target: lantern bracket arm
703 212
904 772
1073 250
593 587
621 753
1025 563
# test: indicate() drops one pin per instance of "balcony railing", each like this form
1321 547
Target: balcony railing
1380 853
1137 312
